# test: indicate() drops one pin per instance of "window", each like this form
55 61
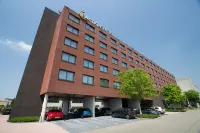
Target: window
102 35
74 18
123 55
124 65
146 61
147 68
88 64
89 50
103 45
104 83
103 68
113 41
114 51
135 54
103 56
116 84
88 79
70 42
89 27
68 58
132 67
130 59
129 51
72 29
154 77
152 69
66 75
115 72
137 62
115 61
122 46
89 38
143 66
141 58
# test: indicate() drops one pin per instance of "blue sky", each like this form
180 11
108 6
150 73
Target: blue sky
166 31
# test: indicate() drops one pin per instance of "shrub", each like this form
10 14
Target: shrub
150 116
24 119
175 110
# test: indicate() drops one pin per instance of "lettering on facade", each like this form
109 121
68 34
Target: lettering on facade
82 15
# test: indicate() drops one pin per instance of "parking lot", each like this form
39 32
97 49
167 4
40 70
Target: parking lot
86 124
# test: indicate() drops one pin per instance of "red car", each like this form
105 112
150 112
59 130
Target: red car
54 114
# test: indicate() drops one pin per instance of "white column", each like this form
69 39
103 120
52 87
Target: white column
89 102
65 106
44 106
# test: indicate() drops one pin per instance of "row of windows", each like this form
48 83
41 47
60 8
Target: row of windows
113 41
86 79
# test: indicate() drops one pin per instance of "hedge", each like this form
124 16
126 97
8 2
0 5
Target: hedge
175 110
24 119
150 116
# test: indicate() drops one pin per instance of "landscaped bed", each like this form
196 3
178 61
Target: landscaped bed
24 119
149 116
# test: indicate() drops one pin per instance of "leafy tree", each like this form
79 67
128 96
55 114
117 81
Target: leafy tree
136 84
173 94
192 95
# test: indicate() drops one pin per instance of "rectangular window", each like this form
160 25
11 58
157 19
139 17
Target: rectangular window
132 67
143 66
70 42
137 62
146 61
115 72
89 38
68 58
103 56
123 55
147 68
104 83
74 18
124 65
88 64
89 50
113 41
122 46
103 68
152 69
136 55
141 58
72 29
115 61
102 35
129 51
130 59
116 84
89 27
88 79
103 45
114 51
66 75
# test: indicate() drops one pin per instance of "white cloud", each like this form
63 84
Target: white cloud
17 45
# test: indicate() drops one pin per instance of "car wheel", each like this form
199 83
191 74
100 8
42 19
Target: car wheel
127 117
113 115
105 114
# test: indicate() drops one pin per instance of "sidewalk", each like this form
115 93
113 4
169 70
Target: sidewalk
33 127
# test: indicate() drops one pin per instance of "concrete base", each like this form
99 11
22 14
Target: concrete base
89 102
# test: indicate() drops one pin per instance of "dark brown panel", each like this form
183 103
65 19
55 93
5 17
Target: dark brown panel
28 101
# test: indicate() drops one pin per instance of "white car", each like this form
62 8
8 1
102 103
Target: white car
159 109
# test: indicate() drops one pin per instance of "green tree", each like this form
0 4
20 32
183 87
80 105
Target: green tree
136 84
173 94
192 95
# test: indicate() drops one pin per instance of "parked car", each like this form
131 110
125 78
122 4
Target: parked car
6 111
80 113
105 111
97 112
124 113
54 114
159 109
150 111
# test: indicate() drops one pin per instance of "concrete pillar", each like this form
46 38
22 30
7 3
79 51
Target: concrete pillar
89 102
44 106
114 104
132 103
65 106
105 103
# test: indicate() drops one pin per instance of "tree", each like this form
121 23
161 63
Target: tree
192 95
136 84
173 94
